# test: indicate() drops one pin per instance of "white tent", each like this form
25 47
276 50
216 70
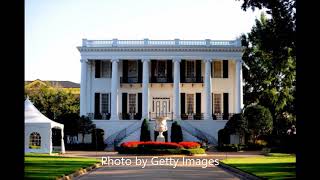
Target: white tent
38 130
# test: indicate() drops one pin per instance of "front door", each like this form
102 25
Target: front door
161 107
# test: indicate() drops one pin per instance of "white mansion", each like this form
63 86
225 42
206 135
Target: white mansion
197 82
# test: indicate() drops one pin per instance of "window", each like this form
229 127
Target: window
217 103
105 69
190 69
132 69
35 141
161 69
190 103
217 65
132 103
104 103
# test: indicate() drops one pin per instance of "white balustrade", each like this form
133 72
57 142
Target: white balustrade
147 42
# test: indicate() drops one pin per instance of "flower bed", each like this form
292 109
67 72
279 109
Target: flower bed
151 147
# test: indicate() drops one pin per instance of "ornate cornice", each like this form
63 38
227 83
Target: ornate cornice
160 49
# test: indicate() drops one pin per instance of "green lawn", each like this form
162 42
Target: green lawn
41 166
274 166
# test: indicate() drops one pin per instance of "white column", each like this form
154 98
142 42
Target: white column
145 89
83 87
239 87
176 89
88 93
207 90
114 90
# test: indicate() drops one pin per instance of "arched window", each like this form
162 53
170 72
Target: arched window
35 141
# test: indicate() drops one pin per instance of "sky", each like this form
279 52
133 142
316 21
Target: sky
54 28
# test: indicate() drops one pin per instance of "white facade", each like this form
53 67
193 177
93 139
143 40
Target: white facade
194 81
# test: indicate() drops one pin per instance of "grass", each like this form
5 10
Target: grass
44 166
274 166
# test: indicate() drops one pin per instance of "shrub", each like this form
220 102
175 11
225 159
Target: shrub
145 132
131 144
223 137
190 145
176 132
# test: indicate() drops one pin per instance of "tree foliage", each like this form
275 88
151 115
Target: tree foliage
259 121
53 102
271 57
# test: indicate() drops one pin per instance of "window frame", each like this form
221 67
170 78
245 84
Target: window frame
214 104
108 72
135 104
187 101
194 68
221 69
136 72
34 138
107 102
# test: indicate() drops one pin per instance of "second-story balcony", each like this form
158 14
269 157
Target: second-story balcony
130 80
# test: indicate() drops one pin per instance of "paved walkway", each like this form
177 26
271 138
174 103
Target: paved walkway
186 167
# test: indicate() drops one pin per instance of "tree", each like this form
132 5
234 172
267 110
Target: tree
85 126
259 121
271 57
145 132
176 132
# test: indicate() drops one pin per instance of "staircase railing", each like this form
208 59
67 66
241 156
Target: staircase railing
202 136
117 137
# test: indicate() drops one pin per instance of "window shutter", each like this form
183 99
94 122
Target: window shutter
212 102
225 69
96 103
109 102
225 106
211 64
140 69
125 71
198 71
153 69
140 103
183 103
169 70
182 71
124 103
97 68
198 103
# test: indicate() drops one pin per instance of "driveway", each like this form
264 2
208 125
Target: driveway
172 167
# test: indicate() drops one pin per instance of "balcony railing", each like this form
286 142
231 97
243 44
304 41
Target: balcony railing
192 79
153 116
129 80
222 116
99 116
192 116
158 79
148 43
130 116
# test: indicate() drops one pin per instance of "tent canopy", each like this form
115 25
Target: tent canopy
33 115
37 123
